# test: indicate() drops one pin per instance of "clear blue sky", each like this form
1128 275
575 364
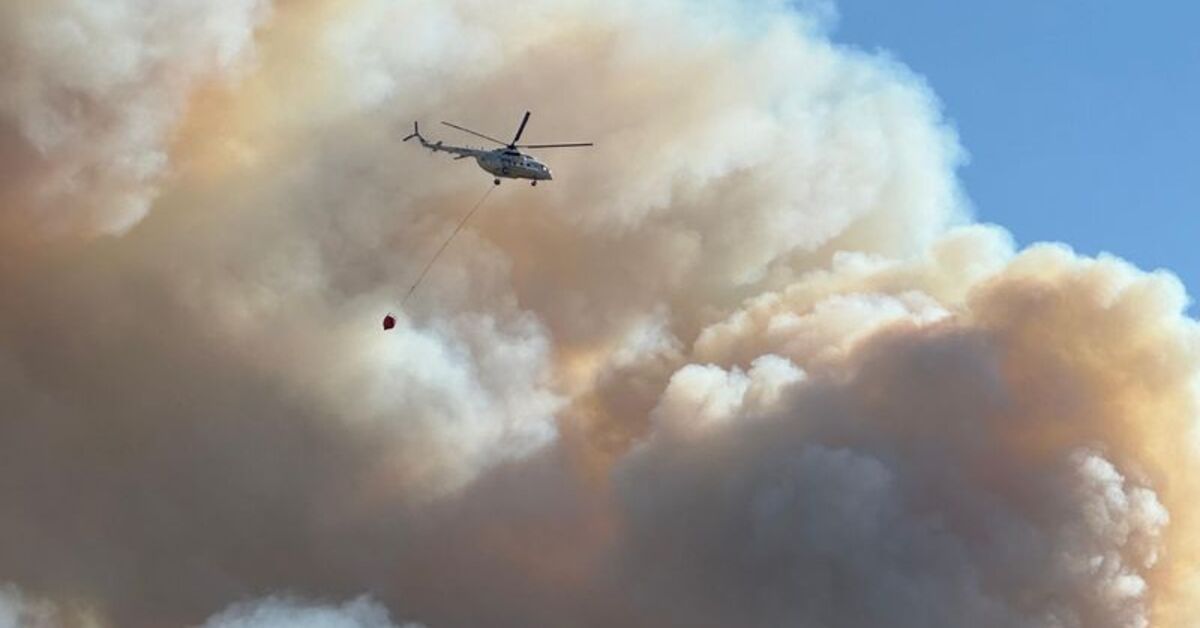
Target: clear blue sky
1082 117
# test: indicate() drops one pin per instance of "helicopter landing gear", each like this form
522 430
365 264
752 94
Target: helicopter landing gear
496 181
533 183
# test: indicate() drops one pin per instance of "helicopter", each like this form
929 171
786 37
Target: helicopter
506 162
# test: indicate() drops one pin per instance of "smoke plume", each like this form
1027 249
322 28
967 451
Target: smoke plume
746 362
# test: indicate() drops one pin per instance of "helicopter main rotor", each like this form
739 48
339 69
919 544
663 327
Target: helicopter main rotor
513 145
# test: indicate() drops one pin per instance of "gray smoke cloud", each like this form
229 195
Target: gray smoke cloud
747 362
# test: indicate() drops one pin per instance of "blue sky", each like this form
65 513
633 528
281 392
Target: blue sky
1082 117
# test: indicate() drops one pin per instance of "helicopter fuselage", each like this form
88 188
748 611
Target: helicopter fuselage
505 162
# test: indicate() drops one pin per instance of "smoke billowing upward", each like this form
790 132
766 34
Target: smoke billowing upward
747 362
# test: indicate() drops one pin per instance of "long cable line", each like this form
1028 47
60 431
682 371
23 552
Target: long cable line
445 244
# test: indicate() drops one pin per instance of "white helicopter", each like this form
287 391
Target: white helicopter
507 162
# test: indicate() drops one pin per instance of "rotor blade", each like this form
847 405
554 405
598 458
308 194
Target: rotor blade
521 130
572 145
491 139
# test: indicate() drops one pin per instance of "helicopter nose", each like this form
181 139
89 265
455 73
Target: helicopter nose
549 174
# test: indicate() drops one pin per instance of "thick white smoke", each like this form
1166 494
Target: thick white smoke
90 94
18 612
281 613
744 363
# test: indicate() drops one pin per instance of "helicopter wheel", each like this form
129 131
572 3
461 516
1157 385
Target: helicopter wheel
496 181
533 183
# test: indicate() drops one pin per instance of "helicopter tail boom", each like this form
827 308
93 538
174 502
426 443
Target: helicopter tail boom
461 152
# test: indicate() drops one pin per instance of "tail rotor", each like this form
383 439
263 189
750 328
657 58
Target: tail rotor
416 133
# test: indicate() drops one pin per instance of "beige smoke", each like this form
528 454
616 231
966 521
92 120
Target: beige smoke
1020 445
743 363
